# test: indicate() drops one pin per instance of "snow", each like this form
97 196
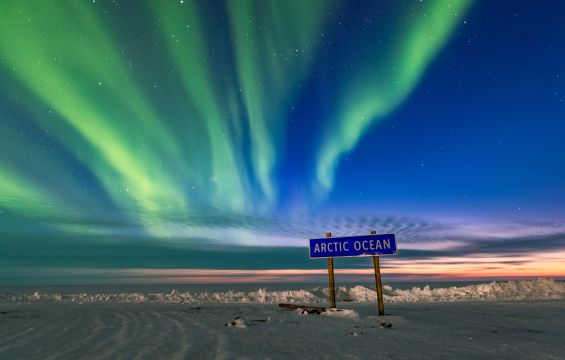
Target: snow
341 313
425 330
540 289
503 320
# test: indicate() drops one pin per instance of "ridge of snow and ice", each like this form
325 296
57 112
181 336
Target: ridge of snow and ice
540 289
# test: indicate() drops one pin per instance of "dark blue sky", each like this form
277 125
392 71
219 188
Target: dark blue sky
482 129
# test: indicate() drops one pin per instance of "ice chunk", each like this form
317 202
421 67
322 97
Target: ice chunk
238 323
341 313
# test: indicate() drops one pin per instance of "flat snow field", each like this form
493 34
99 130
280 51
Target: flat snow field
462 330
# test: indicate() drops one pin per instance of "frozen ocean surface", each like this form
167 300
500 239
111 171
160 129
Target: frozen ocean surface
498 320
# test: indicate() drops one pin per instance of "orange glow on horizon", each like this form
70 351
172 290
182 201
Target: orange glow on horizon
549 265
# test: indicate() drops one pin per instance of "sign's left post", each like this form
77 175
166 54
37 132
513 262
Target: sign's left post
331 276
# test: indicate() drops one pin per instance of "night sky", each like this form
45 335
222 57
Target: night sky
207 141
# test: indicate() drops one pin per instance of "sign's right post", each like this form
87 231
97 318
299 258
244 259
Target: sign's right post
331 277
378 283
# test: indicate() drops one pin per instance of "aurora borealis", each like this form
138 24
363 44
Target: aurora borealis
208 140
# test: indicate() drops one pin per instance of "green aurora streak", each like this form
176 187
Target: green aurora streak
266 84
53 75
186 41
373 97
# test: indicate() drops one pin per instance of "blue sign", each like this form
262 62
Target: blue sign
364 245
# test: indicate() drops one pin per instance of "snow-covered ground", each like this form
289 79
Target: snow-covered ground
516 321
464 330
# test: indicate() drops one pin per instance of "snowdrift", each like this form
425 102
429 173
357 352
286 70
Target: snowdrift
540 289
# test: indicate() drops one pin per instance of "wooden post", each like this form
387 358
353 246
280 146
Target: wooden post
378 283
331 276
